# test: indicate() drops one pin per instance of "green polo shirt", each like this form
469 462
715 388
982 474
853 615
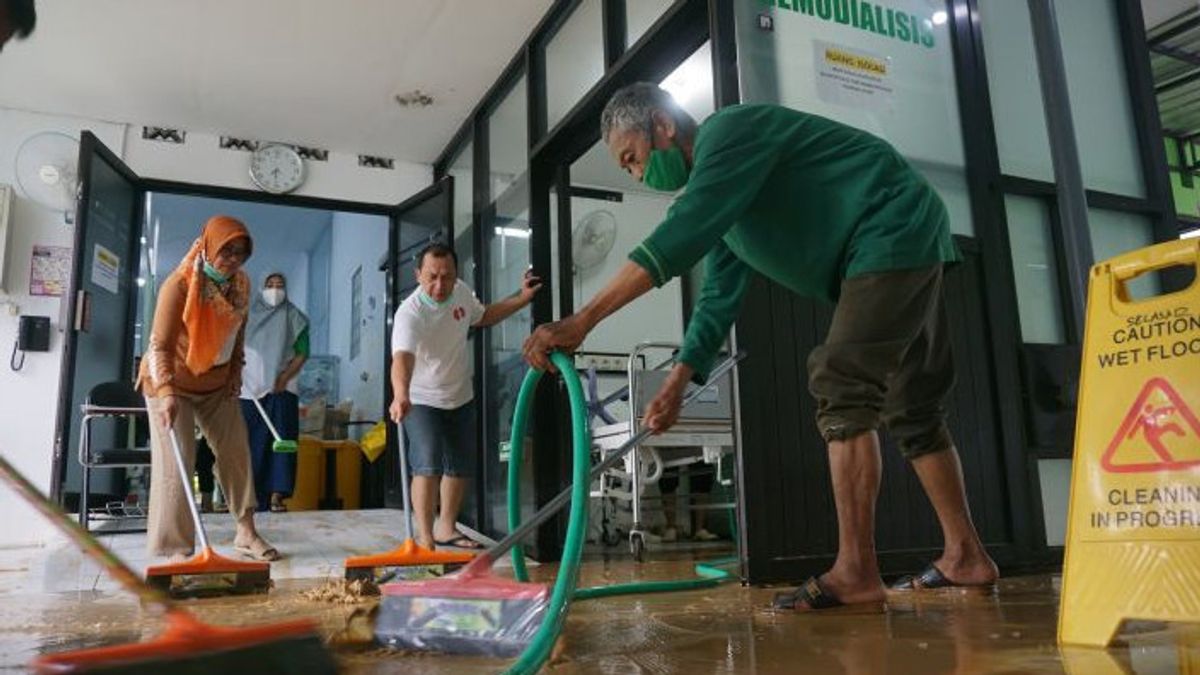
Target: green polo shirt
801 199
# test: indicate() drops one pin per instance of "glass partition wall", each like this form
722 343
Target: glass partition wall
960 101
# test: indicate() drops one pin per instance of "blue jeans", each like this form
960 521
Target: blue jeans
441 442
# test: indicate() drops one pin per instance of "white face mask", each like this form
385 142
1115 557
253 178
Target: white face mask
273 296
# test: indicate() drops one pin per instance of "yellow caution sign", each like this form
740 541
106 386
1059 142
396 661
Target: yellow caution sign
1133 535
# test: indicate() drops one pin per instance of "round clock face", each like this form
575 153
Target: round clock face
277 168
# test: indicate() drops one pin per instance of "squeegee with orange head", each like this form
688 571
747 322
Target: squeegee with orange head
206 573
186 645
410 560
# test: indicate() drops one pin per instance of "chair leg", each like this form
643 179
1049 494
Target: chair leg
83 498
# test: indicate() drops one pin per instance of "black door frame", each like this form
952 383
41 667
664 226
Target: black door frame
391 495
681 30
90 146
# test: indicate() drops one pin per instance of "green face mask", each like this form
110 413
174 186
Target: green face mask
214 274
428 300
666 170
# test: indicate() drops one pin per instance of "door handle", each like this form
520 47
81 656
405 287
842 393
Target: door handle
82 321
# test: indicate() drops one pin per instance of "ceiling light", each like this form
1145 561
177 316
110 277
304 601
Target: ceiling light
690 79
512 232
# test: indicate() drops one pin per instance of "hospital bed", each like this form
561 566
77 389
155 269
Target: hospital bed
703 434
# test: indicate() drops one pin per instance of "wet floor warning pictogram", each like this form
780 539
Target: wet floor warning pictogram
1133 531
1160 433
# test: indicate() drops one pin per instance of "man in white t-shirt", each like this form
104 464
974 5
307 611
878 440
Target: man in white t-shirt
434 397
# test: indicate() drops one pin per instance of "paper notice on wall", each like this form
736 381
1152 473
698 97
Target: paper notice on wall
49 270
852 77
106 267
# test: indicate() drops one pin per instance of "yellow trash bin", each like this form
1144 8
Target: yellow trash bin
316 460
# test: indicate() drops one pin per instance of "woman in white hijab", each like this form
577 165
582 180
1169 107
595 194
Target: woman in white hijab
276 348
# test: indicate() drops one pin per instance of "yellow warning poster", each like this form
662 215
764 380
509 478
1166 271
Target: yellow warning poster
1133 534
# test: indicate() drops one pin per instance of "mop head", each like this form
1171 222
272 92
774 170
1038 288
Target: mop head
484 615
208 574
188 646
284 446
409 562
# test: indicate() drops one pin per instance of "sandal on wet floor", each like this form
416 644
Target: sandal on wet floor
258 549
812 595
461 541
932 579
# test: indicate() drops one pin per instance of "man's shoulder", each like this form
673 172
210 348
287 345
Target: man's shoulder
461 289
739 123
409 309
744 111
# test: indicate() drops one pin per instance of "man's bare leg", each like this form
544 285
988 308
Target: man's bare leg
453 489
856 469
424 497
964 559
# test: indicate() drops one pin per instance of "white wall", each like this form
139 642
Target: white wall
359 240
30 397
297 283
201 160
658 315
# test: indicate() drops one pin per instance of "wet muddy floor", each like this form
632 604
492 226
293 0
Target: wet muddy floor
728 629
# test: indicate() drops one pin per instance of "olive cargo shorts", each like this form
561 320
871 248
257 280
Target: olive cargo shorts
886 359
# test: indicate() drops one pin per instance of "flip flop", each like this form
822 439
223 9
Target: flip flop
258 549
461 541
817 597
932 579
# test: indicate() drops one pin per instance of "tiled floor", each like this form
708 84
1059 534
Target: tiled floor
314 544
47 603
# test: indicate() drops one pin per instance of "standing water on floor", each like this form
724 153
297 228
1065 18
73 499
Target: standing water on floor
728 629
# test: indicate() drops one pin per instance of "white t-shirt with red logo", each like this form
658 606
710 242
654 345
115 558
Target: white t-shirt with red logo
437 336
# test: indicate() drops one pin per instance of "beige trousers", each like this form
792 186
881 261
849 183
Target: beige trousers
170 528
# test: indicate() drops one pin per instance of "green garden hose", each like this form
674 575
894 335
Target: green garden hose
708 574
530 661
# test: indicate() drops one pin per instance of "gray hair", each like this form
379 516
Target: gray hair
633 107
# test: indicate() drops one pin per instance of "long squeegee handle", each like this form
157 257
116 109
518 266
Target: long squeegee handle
560 500
185 477
402 446
82 538
267 419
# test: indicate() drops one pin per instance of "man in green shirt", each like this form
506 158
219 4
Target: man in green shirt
830 212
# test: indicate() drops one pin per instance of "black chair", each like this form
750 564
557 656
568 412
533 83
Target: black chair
109 400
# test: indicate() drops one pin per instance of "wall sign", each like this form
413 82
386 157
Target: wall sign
106 267
49 270
852 77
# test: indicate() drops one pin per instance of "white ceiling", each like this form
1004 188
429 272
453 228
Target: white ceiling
310 72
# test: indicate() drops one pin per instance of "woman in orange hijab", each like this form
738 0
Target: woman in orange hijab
191 376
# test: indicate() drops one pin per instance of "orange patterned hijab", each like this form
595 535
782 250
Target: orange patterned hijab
212 311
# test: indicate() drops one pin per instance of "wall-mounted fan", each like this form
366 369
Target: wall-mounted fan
592 239
47 173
